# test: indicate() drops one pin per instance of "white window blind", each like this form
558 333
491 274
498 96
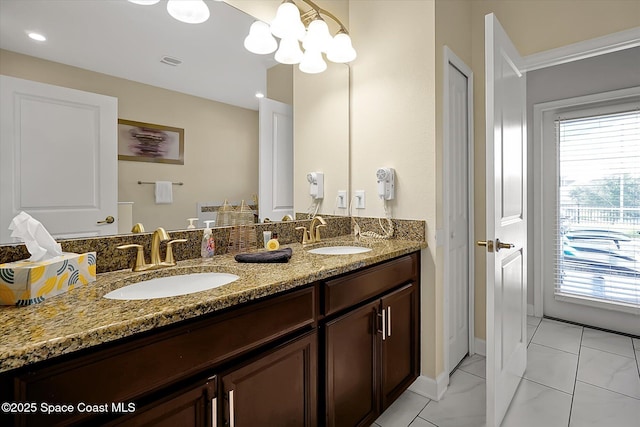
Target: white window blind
598 212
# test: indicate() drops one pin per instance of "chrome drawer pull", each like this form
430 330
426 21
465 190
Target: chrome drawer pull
389 320
214 412
384 326
232 414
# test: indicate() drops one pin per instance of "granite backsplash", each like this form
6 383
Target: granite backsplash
109 258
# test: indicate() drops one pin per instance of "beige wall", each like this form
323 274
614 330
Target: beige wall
280 83
221 141
321 125
321 135
393 125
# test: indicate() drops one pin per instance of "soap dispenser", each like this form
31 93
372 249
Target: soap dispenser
208 248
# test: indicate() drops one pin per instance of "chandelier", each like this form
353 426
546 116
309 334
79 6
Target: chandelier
294 29
189 11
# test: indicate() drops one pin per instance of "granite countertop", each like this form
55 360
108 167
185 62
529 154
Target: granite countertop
82 318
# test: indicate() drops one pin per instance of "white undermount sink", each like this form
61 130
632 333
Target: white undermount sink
339 250
171 286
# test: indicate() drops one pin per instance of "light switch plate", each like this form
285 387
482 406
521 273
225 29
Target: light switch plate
342 199
359 195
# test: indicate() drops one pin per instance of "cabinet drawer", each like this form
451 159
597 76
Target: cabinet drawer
354 288
129 370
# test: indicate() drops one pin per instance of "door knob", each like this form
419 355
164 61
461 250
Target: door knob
501 245
487 243
107 220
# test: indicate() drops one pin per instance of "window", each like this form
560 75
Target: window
598 206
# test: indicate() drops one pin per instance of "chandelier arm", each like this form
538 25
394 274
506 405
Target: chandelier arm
321 11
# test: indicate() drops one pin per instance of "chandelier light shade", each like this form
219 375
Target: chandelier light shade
289 26
340 49
317 37
289 51
312 62
188 11
287 23
144 2
260 41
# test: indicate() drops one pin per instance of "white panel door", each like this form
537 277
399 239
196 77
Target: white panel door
275 160
458 207
59 158
506 220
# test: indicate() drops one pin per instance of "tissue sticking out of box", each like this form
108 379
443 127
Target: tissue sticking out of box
39 242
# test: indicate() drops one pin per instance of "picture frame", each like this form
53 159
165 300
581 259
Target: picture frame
147 142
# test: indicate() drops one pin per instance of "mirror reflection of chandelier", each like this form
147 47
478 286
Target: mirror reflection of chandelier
308 29
189 11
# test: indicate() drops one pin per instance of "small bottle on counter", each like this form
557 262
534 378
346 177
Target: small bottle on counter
208 248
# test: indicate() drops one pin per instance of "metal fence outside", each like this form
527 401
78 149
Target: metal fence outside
590 215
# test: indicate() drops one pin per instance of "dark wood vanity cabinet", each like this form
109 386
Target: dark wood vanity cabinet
189 406
351 368
277 389
371 347
149 370
333 353
399 347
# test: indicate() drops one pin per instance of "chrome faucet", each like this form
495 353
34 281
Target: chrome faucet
313 234
159 236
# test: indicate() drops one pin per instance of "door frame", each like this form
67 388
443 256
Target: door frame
451 58
581 50
542 139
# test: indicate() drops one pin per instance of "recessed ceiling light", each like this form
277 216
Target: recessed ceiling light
259 95
37 37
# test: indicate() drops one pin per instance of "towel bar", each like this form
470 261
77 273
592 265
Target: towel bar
150 182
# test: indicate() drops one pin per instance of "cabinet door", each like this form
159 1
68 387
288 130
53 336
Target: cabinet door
351 368
192 406
399 343
278 389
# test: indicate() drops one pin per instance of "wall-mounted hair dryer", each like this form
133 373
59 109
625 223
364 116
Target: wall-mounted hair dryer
316 184
386 183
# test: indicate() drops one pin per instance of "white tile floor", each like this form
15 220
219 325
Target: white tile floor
575 377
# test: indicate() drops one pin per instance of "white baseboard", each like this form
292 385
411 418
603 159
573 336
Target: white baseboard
480 347
430 388
530 310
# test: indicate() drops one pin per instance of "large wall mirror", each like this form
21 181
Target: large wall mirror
116 48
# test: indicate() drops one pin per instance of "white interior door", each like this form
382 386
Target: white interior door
457 149
275 160
59 158
506 220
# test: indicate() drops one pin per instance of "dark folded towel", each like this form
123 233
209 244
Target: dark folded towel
281 255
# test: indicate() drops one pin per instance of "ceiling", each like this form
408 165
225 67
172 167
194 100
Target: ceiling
127 40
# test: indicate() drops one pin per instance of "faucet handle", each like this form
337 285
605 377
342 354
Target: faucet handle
305 234
140 262
169 259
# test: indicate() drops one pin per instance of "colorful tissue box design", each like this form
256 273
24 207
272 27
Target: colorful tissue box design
25 282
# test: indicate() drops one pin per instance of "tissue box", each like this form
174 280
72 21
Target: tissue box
26 282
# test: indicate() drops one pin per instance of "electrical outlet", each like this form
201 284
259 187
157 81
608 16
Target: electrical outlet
359 195
342 199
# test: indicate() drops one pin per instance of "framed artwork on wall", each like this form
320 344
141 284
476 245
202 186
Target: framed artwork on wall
146 142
